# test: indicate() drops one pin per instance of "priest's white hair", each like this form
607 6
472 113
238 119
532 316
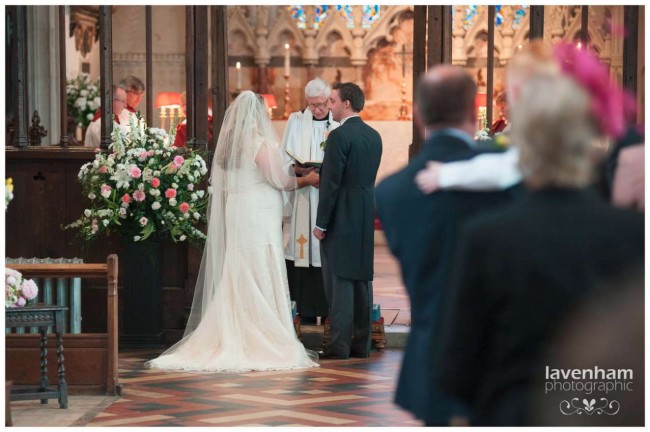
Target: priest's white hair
317 87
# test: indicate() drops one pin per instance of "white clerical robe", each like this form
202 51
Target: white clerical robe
303 137
94 131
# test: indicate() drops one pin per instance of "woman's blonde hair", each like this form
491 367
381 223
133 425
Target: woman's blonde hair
554 127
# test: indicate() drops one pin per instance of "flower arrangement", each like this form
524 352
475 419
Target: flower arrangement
145 186
18 291
83 99
9 192
482 135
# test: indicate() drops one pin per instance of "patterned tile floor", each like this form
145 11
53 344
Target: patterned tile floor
355 392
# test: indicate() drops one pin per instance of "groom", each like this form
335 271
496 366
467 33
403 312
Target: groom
345 223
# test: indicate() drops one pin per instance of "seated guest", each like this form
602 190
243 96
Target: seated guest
520 269
121 118
180 140
502 122
134 89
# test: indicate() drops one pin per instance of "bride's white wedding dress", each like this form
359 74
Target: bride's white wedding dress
241 316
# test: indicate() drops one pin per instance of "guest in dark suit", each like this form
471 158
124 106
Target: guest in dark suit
421 231
345 223
521 269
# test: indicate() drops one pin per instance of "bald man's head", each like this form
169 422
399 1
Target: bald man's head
445 97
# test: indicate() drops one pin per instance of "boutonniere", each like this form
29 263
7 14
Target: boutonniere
323 143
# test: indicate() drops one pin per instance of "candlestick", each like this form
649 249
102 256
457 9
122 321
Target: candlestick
287 99
287 60
238 66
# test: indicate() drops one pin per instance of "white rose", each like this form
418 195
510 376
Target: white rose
200 193
194 197
92 196
156 173
186 215
175 185
172 202
83 93
155 205
87 213
190 187
196 215
182 238
105 222
90 116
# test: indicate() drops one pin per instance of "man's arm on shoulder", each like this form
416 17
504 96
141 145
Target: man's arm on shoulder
485 172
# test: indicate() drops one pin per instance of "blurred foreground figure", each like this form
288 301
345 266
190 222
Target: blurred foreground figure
521 269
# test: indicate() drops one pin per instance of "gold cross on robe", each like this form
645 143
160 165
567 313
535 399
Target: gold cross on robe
301 241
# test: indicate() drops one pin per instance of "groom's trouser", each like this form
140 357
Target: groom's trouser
350 306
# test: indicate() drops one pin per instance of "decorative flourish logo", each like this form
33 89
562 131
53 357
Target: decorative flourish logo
589 407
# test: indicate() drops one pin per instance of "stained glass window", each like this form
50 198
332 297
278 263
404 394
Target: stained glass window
470 14
472 11
298 15
346 11
320 13
520 14
371 15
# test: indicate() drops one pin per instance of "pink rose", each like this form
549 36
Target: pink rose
139 195
126 198
143 221
105 191
97 149
178 161
184 207
21 302
170 193
150 153
190 187
103 169
155 182
135 172
29 289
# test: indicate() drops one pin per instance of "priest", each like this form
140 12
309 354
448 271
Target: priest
305 137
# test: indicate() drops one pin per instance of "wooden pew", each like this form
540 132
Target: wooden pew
91 359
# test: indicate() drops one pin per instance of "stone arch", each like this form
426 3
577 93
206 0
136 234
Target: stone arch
239 29
334 23
285 27
389 20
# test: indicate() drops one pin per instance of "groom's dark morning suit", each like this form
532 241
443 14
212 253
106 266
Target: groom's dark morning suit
346 210
422 231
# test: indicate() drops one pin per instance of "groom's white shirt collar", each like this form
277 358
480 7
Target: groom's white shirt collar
345 119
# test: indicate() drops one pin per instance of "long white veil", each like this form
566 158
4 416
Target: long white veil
248 151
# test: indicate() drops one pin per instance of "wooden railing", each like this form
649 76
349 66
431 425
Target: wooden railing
109 271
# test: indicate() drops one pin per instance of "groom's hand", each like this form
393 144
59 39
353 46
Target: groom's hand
320 235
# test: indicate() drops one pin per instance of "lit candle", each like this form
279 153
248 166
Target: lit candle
287 59
579 45
238 66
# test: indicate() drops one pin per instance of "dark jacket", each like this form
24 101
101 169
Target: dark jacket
421 231
346 206
520 269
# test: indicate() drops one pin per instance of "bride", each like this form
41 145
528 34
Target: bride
241 317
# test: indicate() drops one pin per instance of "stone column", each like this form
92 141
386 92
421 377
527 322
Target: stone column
309 54
459 56
358 57
262 56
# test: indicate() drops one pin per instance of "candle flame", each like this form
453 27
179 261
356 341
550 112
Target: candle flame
286 46
238 66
